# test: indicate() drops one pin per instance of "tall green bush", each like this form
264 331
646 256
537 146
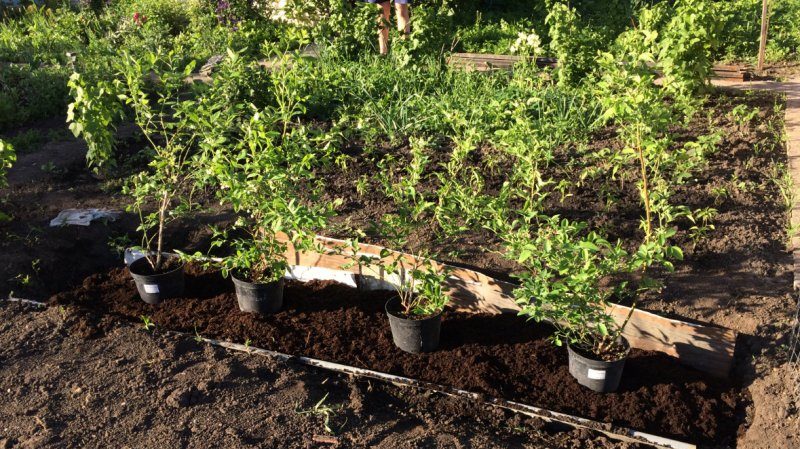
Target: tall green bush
686 46
161 114
573 42
28 94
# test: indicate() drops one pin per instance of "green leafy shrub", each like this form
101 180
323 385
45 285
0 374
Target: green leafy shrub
42 35
176 15
784 32
431 28
7 159
93 115
160 113
686 46
260 160
28 94
420 283
261 178
739 36
491 37
344 29
418 280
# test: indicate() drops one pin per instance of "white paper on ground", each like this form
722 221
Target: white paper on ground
83 217
596 374
373 283
305 274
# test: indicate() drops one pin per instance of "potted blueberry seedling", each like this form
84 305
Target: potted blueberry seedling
150 87
261 178
256 265
415 313
561 285
159 113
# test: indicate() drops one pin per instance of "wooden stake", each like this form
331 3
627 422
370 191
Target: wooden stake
762 47
325 439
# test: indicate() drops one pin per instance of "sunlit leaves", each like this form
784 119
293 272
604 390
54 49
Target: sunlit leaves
7 158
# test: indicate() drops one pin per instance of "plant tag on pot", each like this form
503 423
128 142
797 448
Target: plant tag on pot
151 288
597 374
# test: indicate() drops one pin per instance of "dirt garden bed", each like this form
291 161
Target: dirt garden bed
160 390
739 276
500 356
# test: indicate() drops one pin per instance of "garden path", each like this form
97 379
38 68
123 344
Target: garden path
772 427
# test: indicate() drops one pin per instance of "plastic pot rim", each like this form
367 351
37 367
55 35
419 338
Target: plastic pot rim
395 314
143 260
577 351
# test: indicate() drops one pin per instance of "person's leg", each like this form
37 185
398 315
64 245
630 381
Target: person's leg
383 26
403 18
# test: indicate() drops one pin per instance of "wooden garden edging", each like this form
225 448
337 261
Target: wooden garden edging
483 62
706 348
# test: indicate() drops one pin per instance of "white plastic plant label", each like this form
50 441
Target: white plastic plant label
597 374
151 288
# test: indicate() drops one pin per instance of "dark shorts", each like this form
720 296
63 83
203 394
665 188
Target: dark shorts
399 2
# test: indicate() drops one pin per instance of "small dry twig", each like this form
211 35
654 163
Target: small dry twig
325 439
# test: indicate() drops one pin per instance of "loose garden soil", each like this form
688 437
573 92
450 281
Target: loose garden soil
153 390
497 355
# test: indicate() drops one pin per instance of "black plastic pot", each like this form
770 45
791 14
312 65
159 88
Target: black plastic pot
259 298
597 375
413 335
154 288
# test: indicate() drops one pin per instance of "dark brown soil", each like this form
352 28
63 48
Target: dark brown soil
168 264
500 356
152 390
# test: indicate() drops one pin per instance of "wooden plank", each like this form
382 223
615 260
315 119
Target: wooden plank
734 67
493 61
706 348
486 61
730 76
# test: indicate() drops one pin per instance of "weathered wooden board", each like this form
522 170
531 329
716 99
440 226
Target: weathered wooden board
706 348
487 62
